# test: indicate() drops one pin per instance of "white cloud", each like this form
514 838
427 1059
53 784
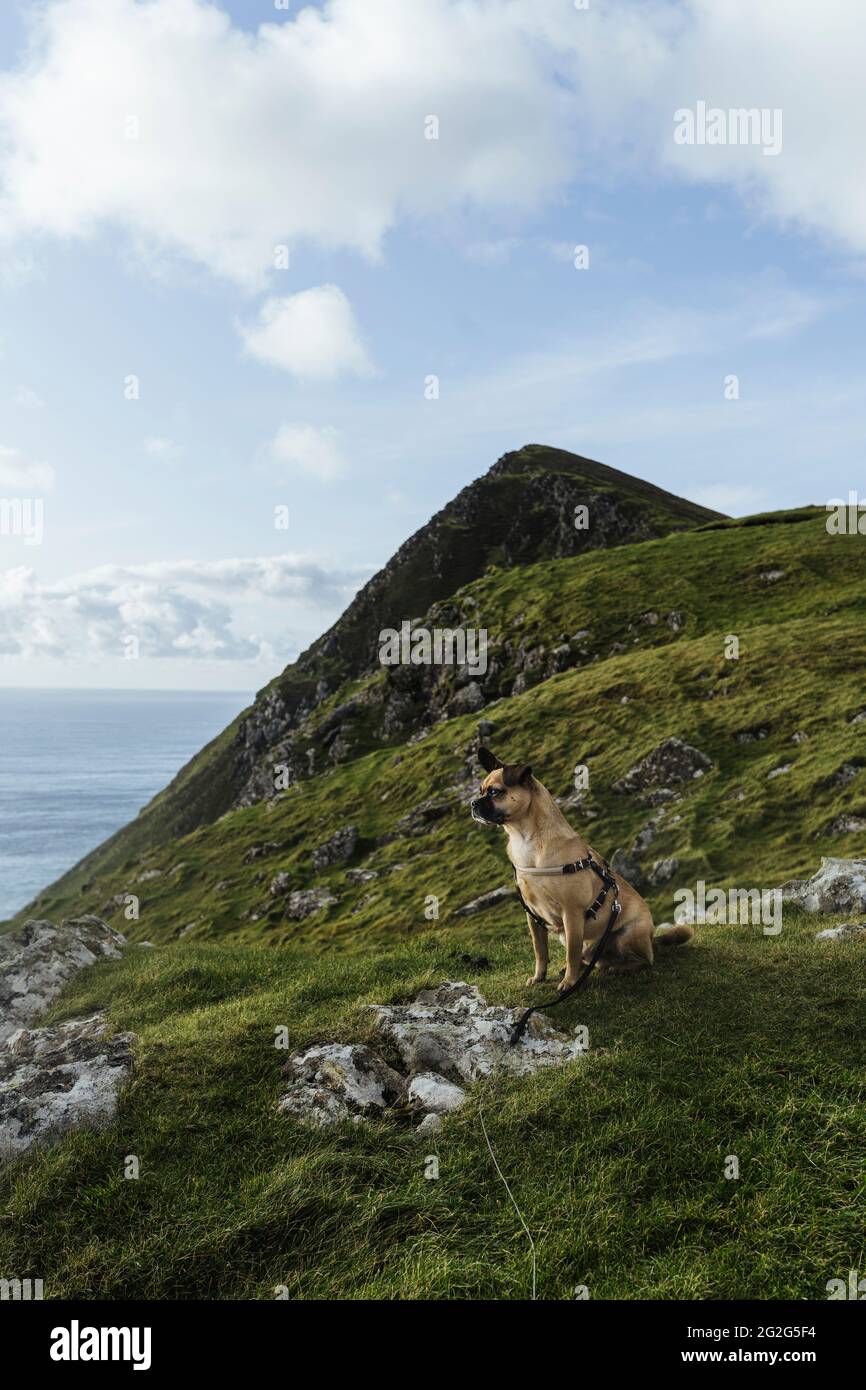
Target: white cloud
312 334
17 474
176 609
311 129
309 450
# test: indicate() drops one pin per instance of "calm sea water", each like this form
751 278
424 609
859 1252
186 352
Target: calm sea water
75 765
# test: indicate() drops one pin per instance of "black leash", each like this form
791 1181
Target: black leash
609 882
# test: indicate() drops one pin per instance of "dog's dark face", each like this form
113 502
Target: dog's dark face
506 792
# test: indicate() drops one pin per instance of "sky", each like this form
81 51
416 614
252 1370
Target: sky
276 281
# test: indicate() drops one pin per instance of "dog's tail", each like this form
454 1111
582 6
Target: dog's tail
673 936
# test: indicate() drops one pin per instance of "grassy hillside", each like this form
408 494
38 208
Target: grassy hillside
795 599
520 511
738 1044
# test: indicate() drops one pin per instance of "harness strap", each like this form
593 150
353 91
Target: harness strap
608 881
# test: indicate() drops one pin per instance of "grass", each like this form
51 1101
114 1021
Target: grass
737 1044
799 672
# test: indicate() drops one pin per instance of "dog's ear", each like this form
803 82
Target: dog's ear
520 775
487 760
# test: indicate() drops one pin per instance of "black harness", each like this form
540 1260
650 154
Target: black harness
608 882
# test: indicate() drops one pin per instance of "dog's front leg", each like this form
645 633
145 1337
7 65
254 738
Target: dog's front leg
573 925
538 932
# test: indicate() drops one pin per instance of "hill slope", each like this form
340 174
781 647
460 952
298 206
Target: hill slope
522 510
645 662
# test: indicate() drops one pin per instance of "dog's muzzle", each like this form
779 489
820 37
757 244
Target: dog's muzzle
484 812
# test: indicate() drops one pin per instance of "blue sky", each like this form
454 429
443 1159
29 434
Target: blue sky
147 250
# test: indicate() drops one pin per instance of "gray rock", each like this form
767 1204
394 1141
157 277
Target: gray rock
430 1124
305 901
453 1031
60 1078
672 764
627 866
663 871
847 930
838 886
847 825
467 700
280 884
340 847
339 1081
487 900
38 959
779 771
430 1092
361 875
258 852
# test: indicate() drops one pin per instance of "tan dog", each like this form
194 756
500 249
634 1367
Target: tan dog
539 837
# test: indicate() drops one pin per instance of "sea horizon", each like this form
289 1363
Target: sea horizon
77 763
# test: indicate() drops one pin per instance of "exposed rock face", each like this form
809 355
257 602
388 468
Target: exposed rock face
448 1036
60 1078
838 886
339 1081
338 849
37 960
673 764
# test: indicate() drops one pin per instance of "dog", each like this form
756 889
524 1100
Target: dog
539 837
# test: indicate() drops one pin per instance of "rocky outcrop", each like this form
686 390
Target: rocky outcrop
338 849
447 1038
838 886
57 1079
38 959
66 1076
339 1081
668 768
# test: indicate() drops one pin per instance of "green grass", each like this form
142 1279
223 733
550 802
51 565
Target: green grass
799 672
737 1044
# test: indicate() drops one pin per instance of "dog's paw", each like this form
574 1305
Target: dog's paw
536 979
566 983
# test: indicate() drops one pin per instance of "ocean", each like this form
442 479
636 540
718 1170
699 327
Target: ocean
75 765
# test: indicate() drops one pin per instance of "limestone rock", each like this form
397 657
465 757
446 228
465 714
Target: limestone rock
838 886
672 764
338 849
305 901
60 1078
431 1092
846 931
453 1031
38 959
628 867
338 1081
